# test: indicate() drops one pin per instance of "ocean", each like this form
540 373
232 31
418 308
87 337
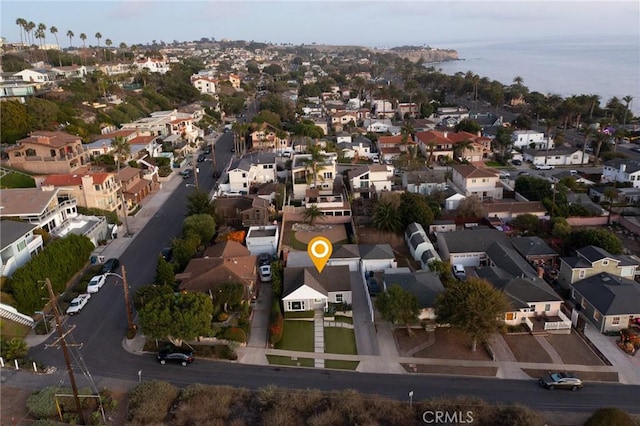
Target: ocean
596 65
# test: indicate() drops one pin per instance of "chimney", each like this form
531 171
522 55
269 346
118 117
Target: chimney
540 272
623 168
446 134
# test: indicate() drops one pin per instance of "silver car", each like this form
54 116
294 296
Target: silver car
560 381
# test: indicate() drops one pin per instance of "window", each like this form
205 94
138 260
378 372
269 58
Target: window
581 273
244 185
339 298
473 181
96 187
615 321
547 307
605 263
532 307
295 306
583 303
596 315
509 316
22 245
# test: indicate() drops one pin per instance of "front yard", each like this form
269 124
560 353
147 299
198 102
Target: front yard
297 336
338 340
448 343
526 349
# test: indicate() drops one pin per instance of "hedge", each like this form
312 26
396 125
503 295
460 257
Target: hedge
236 334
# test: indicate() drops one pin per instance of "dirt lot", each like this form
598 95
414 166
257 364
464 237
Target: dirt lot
526 349
572 349
375 236
449 344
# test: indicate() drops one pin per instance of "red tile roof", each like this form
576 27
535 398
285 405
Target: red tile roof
468 171
69 179
53 139
141 140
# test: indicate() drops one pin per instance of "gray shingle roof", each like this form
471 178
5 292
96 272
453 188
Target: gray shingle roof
520 291
345 251
610 295
413 228
417 239
508 259
595 253
472 241
245 162
332 279
11 230
376 251
631 165
424 285
532 246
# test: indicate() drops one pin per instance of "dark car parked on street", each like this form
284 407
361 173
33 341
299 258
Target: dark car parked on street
200 158
181 356
110 265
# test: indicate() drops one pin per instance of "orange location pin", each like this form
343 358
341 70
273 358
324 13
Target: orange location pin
320 250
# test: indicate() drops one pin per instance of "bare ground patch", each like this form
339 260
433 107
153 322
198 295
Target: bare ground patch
588 376
449 344
368 235
451 369
526 349
573 350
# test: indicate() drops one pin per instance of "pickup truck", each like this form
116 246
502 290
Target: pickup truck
78 303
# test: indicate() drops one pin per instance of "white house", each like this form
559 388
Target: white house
36 75
621 170
377 257
252 169
370 179
18 244
485 183
35 206
205 85
153 65
305 289
555 157
524 139
263 239
303 177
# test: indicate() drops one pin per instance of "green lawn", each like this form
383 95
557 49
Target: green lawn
342 318
285 360
297 336
341 365
17 180
339 340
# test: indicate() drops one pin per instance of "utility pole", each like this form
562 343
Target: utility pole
126 299
65 351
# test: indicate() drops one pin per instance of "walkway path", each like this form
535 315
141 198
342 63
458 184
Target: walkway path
555 356
508 367
318 337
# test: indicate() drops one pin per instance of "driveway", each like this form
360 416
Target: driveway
366 338
258 338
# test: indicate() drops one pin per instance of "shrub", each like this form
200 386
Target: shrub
276 329
11 349
42 404
609 416
149 402
235 334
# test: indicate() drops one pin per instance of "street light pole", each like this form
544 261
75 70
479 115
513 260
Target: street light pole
123 277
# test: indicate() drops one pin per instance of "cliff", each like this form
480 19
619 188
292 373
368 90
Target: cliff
425 54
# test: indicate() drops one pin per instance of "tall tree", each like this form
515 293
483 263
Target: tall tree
460 148
385 217
83 37
474 306
122 151
314 164
70 34
98 36
627 100
203 225
312 214
398 306
108 43
54 31
414 208
21 23
198 202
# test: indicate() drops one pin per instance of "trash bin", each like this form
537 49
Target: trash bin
94 260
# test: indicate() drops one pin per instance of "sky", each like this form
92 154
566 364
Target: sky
354 22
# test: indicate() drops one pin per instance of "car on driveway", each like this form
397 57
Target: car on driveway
561 381
544 167
181 356
264 259
110 265
265 273
96 283
516 162
78 303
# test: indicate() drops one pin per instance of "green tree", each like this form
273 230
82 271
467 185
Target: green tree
474 306
414 208
599 237
502 140
15 121
471 207
314 164
526 223
398 306
42 114
312 214
228 295
14 348
147 292
561 228
610 416
164 273
461 147
201 225
533 188
468 125
177 317
184 249
385 217
198 202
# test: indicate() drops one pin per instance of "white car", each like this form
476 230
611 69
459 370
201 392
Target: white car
265 273
96 283
78 303
544 167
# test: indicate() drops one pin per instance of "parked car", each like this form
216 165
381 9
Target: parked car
264 259
186 173
459 272
110 265
544 167
560 381
200 158
177 355
207 150
505 175
78 303
96 283
265 273
516 162
167 253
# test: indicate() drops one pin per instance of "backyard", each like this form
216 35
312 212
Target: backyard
368 235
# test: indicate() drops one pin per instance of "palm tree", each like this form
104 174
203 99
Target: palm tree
54 31
600 138
108 43
98 36
70 34
30 26
314 164
41 36
312 213
432 146
21 23
83 37
410 87
627 100
461 147
122 150
386 218
123 46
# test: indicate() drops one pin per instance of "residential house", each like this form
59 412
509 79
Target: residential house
394 146
134 187
18 244
205 274
556 157
305 289
329 205
102 145
407 110
577 177
503 256
322 124
47 152
509 210
244 211
424 285
382 125
227 249
370 180
153 65
345 255
438 146
91 190
530 139
72 71
535 251
452 198
450 116
359 147
592 260
424 182
263 239
622 170
36 75
608 301
265 137
442 225
45 209
205 85
376 258
481 182
251 170
468 247
533 302
342 119
382 109
16 90
304 179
